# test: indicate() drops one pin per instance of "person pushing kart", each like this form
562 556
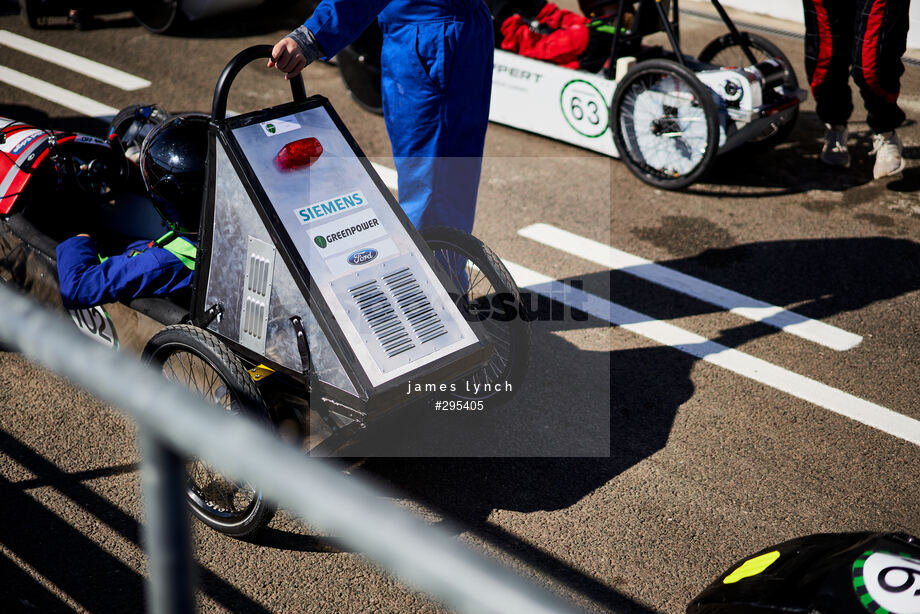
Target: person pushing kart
172 162
436 76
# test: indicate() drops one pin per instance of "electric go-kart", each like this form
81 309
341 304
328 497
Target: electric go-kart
314 300
665 113
159 16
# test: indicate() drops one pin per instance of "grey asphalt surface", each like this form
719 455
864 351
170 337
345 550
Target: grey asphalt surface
704 467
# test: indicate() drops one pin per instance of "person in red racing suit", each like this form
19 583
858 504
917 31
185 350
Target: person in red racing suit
560 36
868 37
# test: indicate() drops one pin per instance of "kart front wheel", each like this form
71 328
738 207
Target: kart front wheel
490 295
196 359
665 124
726 51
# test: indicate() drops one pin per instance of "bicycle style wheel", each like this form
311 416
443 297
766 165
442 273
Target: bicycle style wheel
31 13
158 16
666 125
490 295
726 51
196 359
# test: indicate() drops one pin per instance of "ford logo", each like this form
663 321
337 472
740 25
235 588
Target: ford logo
362 256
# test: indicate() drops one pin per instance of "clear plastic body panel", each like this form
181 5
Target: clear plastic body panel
351 240
235 221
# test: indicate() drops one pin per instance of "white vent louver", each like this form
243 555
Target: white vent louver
415 305
382 319
257 291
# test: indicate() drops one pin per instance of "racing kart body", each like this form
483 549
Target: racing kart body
314 301
52 186
666 114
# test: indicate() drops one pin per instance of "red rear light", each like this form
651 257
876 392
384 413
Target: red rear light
298 154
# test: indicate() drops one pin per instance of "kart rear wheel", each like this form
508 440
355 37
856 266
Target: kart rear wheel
158 16
726 51
665 124
196 359
481 277
359 65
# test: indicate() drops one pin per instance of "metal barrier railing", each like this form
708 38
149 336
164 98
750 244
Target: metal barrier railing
174 423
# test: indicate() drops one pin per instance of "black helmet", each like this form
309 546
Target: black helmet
173 165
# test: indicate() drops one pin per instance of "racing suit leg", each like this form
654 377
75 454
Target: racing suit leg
880 41
436 85
828 54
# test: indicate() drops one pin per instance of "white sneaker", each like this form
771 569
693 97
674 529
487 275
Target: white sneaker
834 151
887 148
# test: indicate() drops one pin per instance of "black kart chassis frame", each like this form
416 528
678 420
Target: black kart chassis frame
664 18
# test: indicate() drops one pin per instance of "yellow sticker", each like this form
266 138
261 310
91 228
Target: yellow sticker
752 567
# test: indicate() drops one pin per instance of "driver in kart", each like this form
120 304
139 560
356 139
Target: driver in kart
543 31
172 163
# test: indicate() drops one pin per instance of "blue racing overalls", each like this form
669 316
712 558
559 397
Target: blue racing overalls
145 269
436 66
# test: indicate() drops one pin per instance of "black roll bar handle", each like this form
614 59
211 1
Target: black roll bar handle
232 69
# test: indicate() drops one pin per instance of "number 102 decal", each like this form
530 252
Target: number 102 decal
96 324
584 108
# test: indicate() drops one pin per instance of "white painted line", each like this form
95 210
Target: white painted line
799 386
71 61
387 174
739 304
58 95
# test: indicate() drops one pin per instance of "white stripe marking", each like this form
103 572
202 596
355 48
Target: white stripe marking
387 174
58 95
70 61
739 304
799 386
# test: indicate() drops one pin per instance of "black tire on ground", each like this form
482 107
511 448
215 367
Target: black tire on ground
725 51
506 327
158 16
359 65
665 124
30 13
197 359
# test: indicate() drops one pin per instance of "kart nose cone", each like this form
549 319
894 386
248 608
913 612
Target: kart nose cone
298 154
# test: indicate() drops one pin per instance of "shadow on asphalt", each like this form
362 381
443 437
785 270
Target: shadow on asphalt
40 119
92 577
820 277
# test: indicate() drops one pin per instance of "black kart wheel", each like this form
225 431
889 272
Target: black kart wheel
30 11
490 295
665 124
359 65
196 359
158 16
726 51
